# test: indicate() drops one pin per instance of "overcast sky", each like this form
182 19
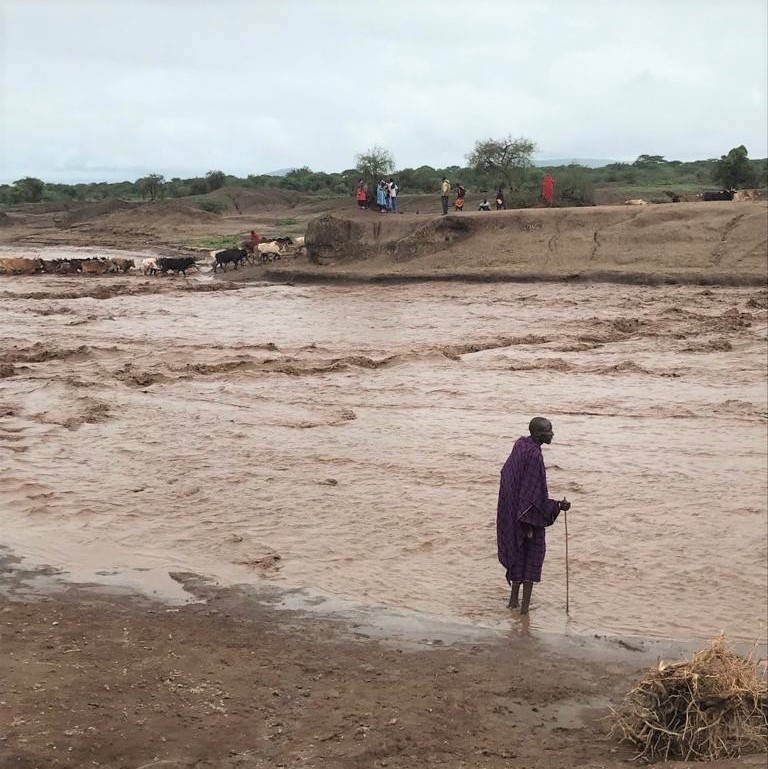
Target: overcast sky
102 90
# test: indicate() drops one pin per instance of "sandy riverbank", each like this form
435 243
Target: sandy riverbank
232 681
718 243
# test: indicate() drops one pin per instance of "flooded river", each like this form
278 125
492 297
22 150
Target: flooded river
348 440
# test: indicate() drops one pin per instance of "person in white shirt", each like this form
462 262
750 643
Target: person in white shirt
393 190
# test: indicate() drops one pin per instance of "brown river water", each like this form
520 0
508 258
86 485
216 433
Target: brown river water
347 440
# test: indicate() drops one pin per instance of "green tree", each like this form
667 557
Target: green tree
198 186
734 171
649 161
506 159
574 186
28 190
152 187
215 180
374 164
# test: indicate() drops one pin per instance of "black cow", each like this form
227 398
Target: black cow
718 195
176 264
229 256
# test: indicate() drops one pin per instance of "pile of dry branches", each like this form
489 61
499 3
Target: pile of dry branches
714 706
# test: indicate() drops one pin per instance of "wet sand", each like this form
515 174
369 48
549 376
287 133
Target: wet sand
347 440
237 681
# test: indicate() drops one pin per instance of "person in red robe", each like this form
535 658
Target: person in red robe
548 189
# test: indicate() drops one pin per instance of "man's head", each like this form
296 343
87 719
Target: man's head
541 430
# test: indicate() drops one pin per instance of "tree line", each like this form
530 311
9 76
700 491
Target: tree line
492 162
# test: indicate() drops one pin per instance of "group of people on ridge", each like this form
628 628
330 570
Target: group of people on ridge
458 203
386 196
387 191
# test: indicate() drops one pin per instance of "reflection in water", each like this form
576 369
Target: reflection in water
349 440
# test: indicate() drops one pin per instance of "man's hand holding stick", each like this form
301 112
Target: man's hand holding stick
565 506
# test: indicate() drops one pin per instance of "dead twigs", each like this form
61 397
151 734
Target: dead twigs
714 706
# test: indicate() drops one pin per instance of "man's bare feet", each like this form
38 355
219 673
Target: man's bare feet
514 596
527 590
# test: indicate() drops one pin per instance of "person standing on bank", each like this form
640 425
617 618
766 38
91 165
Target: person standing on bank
460 194
445 193
393 190
548 190
361 193
524 511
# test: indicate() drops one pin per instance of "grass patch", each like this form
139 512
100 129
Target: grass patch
217 241
286 222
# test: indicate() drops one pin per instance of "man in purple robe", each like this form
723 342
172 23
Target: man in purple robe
524 511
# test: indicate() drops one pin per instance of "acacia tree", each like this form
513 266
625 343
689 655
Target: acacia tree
506 159
215 180
374 164
649 161
733 171
152 187
28 190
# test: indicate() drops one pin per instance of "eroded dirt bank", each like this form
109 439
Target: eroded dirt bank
685 242
711 243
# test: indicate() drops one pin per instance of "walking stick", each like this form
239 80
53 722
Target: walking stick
567 570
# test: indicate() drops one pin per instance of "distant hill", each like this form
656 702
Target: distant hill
588 162
280 172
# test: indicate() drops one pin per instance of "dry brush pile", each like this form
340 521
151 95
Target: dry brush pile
715 706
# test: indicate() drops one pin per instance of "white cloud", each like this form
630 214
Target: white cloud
113 89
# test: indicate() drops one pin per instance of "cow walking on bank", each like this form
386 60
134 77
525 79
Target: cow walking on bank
178 264
234 256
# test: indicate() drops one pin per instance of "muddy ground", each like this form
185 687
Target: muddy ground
92 679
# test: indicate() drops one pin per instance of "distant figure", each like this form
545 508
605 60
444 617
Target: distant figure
548 189
484 206
500 202
362 194
524 511
460 193
445 192
393 190
255 237
381 196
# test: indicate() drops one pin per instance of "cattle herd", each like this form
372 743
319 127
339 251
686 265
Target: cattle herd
264 251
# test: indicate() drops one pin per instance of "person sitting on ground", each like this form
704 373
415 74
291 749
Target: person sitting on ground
484 206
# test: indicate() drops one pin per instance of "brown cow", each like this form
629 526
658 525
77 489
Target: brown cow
11 266
95 267
121 265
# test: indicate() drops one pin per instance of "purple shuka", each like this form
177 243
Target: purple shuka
523 512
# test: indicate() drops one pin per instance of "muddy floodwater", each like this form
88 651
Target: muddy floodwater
347 440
